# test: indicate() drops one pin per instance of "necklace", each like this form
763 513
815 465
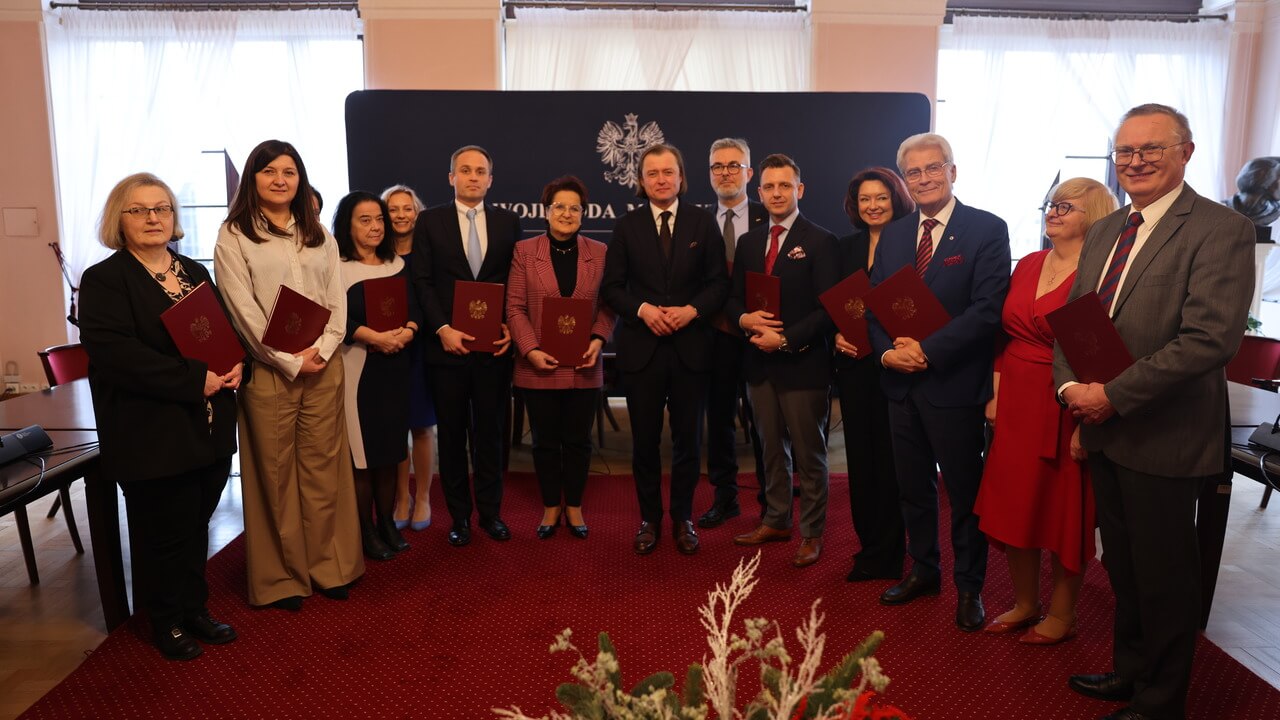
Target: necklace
162 275
564 251
1053 272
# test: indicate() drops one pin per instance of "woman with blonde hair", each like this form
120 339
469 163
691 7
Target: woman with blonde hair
1035 493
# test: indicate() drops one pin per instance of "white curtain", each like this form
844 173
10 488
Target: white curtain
149 91
557 49
1018 97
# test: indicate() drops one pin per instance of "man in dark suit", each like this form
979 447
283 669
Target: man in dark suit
664 276
1175 271
730 173
788 367
466 240
937 386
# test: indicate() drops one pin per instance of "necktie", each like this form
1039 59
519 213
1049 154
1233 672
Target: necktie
664 235
730 237
775 232
474 257
1111 281
924 251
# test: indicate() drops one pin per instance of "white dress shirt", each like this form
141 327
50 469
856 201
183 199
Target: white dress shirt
1151 216
943 217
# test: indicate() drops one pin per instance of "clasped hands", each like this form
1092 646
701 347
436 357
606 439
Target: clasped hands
541 360
452 341
214 384
666 320
1088 403
390 342
765 331
906 356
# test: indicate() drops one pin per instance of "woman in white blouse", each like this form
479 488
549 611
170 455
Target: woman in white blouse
301 529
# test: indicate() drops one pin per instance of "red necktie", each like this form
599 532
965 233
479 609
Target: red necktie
1124 246
775 232
924 251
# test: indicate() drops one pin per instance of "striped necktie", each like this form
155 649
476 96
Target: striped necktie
924 251
1124 246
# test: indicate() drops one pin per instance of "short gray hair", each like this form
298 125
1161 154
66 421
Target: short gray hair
1184 126
110 230
921 141
417 201
737 144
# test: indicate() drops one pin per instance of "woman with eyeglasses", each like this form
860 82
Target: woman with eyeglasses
1035 493
875 197
560 393
375 364
166 424
300 526
413 511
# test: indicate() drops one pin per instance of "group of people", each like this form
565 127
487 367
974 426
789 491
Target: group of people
1031 458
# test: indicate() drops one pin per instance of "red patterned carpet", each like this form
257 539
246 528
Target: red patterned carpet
449 633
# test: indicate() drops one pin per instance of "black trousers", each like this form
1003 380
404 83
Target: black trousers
560 421
169 540
665 383
724 390
926 438
472 399
1152 557
873 482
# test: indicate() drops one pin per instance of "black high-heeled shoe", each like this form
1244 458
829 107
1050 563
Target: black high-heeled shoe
578 531
392 537
545 531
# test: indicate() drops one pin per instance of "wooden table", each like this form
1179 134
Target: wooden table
66 413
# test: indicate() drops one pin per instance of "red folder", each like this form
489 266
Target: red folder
477 311
202 332
845 304
906 307
566 328
295 322
1089 340
386 303
764 292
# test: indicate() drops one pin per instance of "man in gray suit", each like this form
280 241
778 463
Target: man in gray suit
1175 272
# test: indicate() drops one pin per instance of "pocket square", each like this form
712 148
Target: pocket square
953 260
693 244
796 253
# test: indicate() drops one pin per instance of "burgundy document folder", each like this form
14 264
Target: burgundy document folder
477 311
202 332
764 292
1089 340
386 303
845 304
295 322
906 307
566 328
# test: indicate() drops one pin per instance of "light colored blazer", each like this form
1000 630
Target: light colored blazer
1181 312
533 278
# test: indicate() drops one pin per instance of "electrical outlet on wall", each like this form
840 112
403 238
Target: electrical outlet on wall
30 387
11 388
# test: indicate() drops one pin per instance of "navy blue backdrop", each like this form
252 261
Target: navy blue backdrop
407 136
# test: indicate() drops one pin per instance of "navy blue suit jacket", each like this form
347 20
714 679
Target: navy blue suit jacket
969 273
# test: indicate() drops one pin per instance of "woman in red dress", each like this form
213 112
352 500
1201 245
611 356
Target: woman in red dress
1035 493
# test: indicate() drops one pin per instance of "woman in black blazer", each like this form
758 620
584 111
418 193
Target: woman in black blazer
875 197
166 424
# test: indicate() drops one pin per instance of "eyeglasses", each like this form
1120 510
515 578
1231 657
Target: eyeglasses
562 209
933 171
1058 209
1148 153
732 168
142 213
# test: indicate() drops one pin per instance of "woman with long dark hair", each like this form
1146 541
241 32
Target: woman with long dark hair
301 531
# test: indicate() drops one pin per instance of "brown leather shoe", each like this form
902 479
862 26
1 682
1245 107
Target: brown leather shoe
646 538
762 534
686 537
807 554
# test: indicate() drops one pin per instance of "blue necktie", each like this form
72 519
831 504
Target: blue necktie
474 257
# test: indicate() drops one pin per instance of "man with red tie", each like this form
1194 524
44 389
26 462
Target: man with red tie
788 366
665 277
938 386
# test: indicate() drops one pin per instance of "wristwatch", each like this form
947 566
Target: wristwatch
784 347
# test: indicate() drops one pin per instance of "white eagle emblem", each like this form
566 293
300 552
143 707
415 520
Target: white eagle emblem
620 147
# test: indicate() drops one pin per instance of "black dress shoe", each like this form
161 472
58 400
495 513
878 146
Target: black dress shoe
1127 714
175 644
686 537
373 546
460 534
646 538
293 603
338 592
578 531
545 531
912 587
718 513
1107 686
207 630
970 615
392 537
496 529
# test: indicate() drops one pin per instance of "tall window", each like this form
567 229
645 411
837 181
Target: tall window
1024 101
155 91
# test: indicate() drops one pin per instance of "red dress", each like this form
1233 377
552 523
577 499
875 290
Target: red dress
1033 495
